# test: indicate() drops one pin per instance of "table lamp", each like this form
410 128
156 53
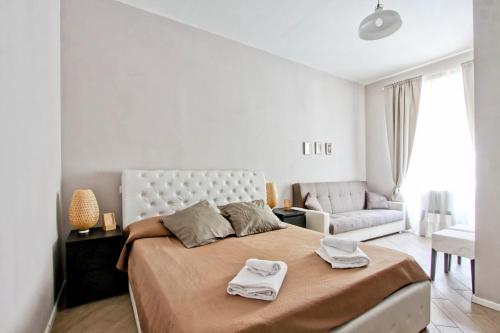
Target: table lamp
83 210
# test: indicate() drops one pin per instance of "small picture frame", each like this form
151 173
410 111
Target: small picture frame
306 148
328 148
317 148
108 222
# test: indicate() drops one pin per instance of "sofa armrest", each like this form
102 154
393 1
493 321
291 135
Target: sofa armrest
316 220
396 205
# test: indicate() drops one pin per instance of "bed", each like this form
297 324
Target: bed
157 267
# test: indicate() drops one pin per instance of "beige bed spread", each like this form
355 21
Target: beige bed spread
184 290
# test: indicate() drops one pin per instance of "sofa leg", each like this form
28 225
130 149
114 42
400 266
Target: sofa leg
446 263
459 260
433 264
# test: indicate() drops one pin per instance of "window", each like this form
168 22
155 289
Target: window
439 187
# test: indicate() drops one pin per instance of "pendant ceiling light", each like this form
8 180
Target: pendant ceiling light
379 24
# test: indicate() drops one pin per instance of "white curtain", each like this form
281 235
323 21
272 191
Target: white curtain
439 187
401 106
468 78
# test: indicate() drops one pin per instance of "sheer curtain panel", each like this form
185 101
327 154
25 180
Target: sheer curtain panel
439 188
468 79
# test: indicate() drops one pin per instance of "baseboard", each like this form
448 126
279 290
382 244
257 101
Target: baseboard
485 302
52 317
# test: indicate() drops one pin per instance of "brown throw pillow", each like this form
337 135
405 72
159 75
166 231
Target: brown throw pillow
312 203
262 204
198 225
376 201
249 218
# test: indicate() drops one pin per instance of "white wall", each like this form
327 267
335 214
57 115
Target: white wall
487 99
378 162
143 91
30 165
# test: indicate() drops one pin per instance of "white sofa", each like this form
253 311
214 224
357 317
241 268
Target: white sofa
344 212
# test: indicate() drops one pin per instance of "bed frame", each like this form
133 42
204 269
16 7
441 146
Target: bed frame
148 193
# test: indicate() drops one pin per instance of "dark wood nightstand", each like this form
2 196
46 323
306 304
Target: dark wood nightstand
291 216
90 266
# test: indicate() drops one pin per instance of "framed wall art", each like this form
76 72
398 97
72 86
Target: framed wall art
306 148
328 148
318 148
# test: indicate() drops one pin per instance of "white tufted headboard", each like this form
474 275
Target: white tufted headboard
147 193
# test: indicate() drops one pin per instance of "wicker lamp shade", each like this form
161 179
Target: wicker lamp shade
272 194
83 210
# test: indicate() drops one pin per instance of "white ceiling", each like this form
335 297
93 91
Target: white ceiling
323 33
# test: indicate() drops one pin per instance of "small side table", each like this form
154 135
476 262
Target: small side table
291 216
90 266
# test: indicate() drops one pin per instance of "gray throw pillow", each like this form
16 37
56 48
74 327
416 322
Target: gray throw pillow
376 201
312 202
198 225
249 218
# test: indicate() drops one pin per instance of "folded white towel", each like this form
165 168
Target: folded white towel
340 259
347 245
251 285
263 267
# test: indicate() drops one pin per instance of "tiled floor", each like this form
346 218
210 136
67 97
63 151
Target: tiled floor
451 309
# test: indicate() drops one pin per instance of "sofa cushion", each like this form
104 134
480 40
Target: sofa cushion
312 203
359 219
376 201
334 197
